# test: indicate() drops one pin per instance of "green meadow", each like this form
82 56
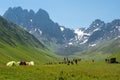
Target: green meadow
80 71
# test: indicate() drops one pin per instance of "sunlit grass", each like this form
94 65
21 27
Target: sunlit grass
81 71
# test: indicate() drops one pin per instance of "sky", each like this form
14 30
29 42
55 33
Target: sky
70 13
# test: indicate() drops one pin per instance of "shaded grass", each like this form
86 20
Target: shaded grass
23 53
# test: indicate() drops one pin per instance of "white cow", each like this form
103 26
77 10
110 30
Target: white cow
11 63
31 63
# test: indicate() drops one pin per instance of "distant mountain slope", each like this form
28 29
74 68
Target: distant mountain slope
11 33
102 50
97 32
18 44
116 46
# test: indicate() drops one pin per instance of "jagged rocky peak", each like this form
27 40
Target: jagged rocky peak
115 23
96 25
31 12
24 18
42 13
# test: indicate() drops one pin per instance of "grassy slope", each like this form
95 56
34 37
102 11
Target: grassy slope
17 44
82 71
101 51
116 46
116 55
22 53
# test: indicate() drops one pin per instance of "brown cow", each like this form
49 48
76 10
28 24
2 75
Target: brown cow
23 63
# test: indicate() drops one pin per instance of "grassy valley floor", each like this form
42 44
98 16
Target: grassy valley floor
81 71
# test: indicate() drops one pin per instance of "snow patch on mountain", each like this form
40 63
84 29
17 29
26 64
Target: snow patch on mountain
62 29
118 27
84 41
31 20
70 43
96 29
40 31
87 34
92 45
30 32
35 29
79 33
97 24
117 37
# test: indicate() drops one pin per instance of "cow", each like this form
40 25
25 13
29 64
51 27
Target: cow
11 63
111 60
23 63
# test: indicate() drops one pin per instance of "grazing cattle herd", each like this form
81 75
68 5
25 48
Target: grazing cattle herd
111 60
76 60
65 61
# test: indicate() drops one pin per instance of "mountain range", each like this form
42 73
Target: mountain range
41 26
62 40
19 45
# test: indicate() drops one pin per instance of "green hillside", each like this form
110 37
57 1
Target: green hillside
101 51
116 55
17 44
